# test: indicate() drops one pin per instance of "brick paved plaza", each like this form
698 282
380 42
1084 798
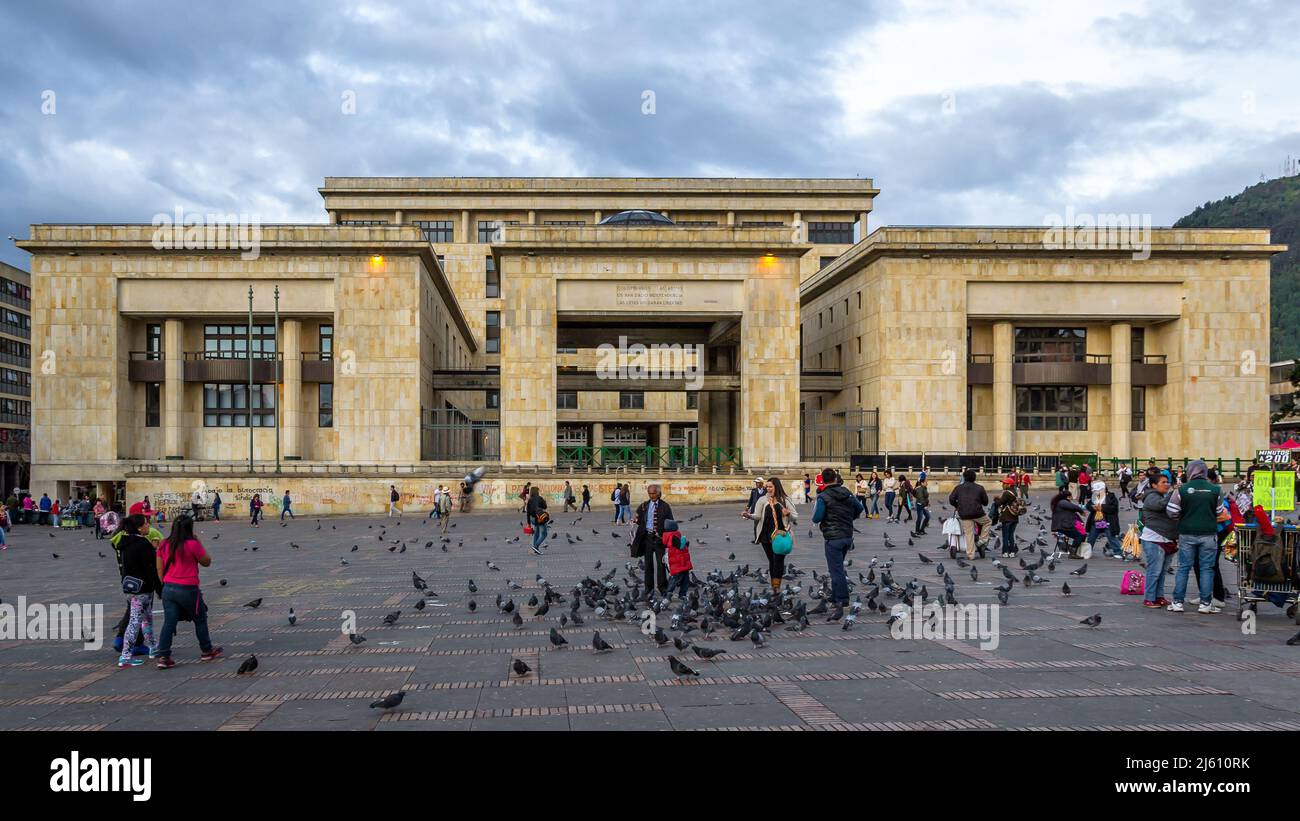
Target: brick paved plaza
1139 668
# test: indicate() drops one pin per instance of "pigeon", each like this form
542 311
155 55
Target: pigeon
354 549
222 582
419 605
1092 621
473 605
757 638
55 555
1065 588
517 620
391 618
557 639
492 566
355 639
1080 571
598 644
473 588
681 669
925 559
390 701
343 562
293 618
255 603
102 556
249 665
661 638
520 668
706 653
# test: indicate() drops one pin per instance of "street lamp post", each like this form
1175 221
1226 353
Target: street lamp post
277 354
248 398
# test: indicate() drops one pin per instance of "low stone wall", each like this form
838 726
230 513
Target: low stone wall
345 496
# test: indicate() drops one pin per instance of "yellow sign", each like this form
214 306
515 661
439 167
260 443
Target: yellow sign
1267 482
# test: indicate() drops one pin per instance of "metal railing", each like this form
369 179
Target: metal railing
13 389
992 463
1089 358
673 457
1224 466
15 330
16 301
147 356
201 356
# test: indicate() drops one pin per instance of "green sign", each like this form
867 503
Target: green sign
1267 482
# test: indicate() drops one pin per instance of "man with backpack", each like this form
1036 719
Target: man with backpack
836 510
971 502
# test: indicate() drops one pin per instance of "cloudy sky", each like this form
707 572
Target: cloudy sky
963 113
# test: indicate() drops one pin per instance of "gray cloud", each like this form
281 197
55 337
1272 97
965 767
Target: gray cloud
237 107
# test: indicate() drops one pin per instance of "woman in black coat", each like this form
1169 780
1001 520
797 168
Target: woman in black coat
773 513
1065 514
137 563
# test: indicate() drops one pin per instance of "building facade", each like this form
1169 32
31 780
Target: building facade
547 324
1280 389
993 340
15 377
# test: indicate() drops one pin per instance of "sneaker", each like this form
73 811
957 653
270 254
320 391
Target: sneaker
165 663
1152 604
1216 604
1176 607
131 662
1205 609
536 551
215 652
1162 601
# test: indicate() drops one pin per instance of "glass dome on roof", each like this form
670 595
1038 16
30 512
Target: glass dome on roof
637 218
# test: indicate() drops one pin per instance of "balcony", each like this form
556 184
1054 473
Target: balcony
146 366
1060 369
15 330
16 418
230 366
18 302
1149 370
979 369
317 366
13 389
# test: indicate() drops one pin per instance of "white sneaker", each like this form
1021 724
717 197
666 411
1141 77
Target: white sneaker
1204 610
1216 608
1176 607
1217 605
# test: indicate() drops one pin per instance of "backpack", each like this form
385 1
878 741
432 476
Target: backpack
613 496
1267 560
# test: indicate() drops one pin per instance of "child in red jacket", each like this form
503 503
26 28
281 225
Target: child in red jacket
678 549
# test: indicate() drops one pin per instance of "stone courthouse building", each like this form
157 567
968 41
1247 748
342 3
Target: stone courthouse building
552 324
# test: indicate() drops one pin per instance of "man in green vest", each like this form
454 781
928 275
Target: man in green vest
1197 505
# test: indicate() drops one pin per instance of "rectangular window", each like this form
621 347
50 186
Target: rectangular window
228 406
325 341
493 332
859 395
325 405
820 324
437 230
566 349
631 400
152 404
1139 409
362 223
1052 408
493 399
830 233
822 262
490 230
697 223
859 346
1051 344
692 400
832 310
564 222
762 224
859 300
153 339
1138 344
231 341
566 400
493 290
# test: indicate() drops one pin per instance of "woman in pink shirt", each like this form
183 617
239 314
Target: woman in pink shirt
179 558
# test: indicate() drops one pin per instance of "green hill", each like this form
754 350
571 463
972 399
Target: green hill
1275 205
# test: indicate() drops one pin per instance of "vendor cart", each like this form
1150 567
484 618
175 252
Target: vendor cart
1251 591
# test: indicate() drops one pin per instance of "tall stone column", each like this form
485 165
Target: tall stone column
702 419
291 374
663 442
1121 390
597 440
768 424
464 228
1004 391
173 393
528 365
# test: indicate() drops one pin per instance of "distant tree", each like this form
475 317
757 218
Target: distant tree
1288 407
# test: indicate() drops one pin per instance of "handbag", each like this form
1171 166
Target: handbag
1133 583
542 517
131 586
782 541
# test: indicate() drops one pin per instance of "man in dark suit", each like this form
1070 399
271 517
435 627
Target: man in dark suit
647 540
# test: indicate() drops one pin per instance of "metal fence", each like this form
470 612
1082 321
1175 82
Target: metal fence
450 434
837 436
980 462
675 457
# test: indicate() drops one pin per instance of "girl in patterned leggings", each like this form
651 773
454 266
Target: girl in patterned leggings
140 568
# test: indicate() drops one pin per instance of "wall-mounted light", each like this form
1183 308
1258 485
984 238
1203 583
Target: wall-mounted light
377 261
